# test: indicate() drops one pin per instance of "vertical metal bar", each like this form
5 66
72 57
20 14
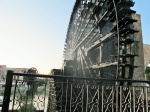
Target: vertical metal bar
45 97
121 99
133 99
102 98
33 89
82 98
27 93
50 98
87 98
66 96
98 105
130 98
71 97
62 88
143 98
146 99
117 99
113 88
14 95
7 91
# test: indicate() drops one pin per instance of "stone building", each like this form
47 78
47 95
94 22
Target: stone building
3 71
18 70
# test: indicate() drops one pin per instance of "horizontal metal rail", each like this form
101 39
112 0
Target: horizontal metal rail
81 78
51 93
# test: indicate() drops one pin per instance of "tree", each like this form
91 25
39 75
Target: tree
147 71
27 108
31 81
148 76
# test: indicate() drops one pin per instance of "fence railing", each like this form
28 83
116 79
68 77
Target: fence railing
49 93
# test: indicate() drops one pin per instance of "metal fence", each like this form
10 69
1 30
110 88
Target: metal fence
49 93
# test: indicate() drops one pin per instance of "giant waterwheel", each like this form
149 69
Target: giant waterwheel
101 42
100 39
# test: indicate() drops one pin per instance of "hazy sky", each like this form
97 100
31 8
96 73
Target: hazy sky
33 32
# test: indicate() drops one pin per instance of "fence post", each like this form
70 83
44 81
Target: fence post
7 91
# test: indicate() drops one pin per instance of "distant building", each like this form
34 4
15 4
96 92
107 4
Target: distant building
18 70
3 71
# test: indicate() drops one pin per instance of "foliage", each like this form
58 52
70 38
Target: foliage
27 108
29 79
33 88
147 71
41 82
148 76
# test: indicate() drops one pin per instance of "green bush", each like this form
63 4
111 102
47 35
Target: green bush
147 71
148 76
27 108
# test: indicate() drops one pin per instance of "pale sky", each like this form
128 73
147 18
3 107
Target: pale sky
33 32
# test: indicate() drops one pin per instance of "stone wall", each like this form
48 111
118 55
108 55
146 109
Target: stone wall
143 58
139 60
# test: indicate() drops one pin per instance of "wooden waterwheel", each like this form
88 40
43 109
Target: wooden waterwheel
100 39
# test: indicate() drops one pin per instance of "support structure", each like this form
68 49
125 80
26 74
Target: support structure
102 39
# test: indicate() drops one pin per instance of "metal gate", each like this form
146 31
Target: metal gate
55 93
